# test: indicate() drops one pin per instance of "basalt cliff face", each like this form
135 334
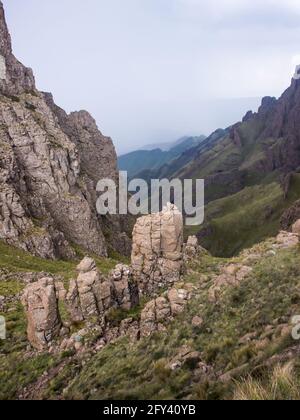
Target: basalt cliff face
50 163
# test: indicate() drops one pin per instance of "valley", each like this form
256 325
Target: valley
142 307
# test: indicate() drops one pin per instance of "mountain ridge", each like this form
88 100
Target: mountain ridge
136 162
261 151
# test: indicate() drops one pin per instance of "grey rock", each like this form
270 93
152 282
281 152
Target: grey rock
50 163
126 288
157 258
41 307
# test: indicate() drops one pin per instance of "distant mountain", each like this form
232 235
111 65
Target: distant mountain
144 160
251 172
165 147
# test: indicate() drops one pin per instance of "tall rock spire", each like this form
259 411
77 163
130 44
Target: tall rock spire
14 77
5 40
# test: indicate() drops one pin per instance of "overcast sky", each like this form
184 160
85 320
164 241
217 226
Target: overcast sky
154 70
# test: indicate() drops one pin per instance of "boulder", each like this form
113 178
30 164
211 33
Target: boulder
296 227
185 355
131 329
287 239
126 288
192 249
197 322
148 324
155 313
231 276
91 294
41 305
178 299
86 265
157 258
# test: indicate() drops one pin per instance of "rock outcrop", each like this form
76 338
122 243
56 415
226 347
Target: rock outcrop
296 227
157 258
231 276
160 311
125 287
287 239
41 306
290 216
16 78
192 249
93 295
49 165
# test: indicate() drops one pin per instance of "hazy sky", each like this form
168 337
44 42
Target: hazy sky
154 70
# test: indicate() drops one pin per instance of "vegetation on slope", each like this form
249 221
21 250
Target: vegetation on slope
243 219
242 368
267 298
142 371
19 366
15 260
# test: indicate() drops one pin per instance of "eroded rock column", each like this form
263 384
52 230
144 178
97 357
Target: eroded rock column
41 306
157 259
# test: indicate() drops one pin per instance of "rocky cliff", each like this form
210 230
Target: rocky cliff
50 163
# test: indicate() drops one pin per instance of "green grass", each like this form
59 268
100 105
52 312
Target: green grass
248 217
268 297
17 372
17 368
16 260
141 370
10 288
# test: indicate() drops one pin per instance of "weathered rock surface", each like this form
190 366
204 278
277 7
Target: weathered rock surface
41 306
162 310
18 79
296 227
232 275
192 249
157 258
152 316
185 355
49 165
178 299
287 239
290 216
126 288
91 294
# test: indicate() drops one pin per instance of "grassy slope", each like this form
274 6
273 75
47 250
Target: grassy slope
141 370
251 215
15 260
245 218
17 371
